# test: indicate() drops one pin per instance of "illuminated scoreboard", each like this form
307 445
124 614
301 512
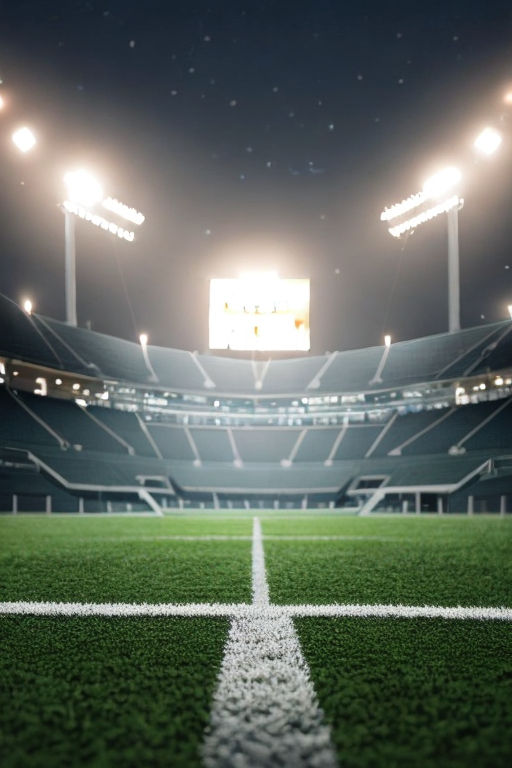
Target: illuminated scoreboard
259 312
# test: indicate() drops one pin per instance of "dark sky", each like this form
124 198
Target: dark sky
256 135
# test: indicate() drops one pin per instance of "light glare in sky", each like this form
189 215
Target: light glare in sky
441 182
24 139
83 187
488 141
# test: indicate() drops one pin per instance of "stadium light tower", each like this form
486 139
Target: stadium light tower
84 197
440 194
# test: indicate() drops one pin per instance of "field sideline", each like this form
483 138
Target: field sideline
287 639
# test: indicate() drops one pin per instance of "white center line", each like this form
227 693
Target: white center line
265 712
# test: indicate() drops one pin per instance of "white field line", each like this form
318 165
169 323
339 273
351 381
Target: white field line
236 537
265 711
245 611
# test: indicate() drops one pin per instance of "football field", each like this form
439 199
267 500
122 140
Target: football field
245 639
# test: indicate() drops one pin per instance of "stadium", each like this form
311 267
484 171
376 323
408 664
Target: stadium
222 546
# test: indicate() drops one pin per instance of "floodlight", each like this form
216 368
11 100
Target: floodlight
143 338
27 306
508 97
387 340
510 310
487 141
83 188
24 139
452 203
2 102
441 182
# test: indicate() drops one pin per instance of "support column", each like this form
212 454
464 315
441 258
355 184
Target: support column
440 509
417 501
70 268
503 505
470 505
15 503
48 505
453 271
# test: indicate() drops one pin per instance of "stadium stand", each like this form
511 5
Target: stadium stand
431 432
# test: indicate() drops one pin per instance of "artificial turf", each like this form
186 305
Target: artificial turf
106 692
98 560
427 561
415 692
122 692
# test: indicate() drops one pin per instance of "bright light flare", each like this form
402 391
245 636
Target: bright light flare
387 340
487 141
441 182
398 209
508 98
24 139
83 188
28 306
406 226
510 310
143 338
130 214
2 101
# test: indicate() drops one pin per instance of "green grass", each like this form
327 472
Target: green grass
426 561
104 692
122 692
408 693
101 560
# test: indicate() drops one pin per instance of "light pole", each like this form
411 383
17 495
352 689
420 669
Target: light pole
436 197
440 195
84 199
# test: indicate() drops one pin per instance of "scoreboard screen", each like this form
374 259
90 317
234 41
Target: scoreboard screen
259 312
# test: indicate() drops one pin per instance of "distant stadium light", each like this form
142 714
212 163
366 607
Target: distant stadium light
27 306
441 182
143 338
398 209
488 141
451 203
24 139
507 98
130 214
99 221
387 340
83 188
2 101
510 310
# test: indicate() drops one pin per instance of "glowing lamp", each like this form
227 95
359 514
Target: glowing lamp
24 139
441 182
387 340
488 141
143 338
27 306
83 188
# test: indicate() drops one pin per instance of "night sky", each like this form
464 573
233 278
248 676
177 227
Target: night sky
263 135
